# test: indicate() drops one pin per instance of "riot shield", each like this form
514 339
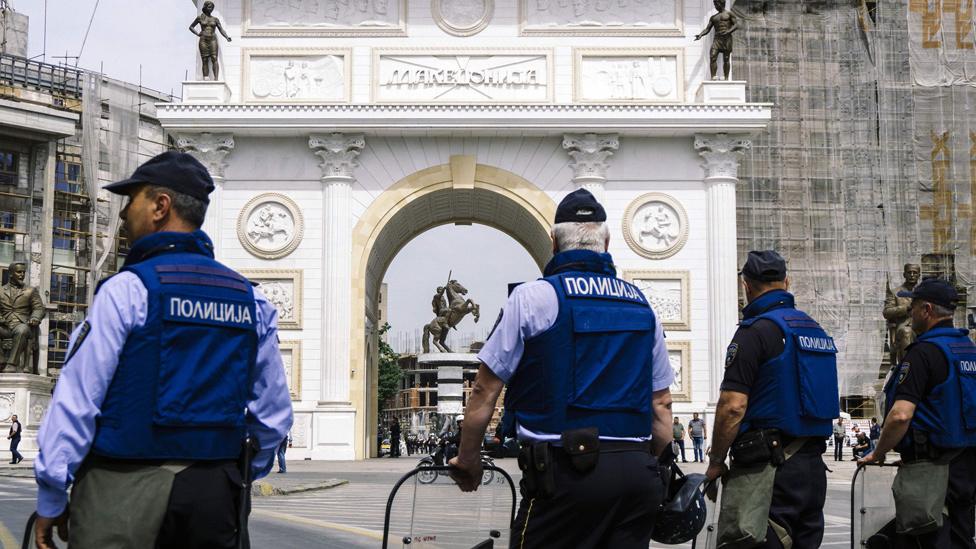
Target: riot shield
872 504
427 510
707 538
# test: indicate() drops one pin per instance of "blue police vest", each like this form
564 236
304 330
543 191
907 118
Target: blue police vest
183 378
948 414
795 392
593 367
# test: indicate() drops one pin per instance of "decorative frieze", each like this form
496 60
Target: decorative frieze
291 360
270 226
679 355
601 17
283 288
655 226
316 18
462 76
668 293
462 17
296 75
629 75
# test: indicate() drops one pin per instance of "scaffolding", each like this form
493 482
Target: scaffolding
869 162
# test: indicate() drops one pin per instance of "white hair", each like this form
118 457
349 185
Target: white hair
581 236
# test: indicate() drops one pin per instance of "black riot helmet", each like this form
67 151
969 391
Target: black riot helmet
683 513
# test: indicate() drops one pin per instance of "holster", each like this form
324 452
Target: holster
535 462
758 447
583 448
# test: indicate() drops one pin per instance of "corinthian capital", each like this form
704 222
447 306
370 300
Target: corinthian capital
590 153
721 153
209 148
339 153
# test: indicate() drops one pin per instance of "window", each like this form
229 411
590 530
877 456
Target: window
8 221
57 343
8 168
67 177
65 231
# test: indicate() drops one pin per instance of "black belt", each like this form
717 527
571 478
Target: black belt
610 446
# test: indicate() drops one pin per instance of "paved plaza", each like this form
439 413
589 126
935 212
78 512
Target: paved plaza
350 514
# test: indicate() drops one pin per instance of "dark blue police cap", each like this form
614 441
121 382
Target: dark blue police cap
934 290
173 170
581 207
764 266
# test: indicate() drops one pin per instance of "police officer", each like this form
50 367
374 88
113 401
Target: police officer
588 378
176 362
778 398
930 400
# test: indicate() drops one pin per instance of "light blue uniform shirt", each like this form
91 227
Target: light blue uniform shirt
68 429
531 310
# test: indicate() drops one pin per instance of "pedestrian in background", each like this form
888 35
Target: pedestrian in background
696 428
395 438
678 432
14 437
779 396
175 365
875 433
282 448
840 435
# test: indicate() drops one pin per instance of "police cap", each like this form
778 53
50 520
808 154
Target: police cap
580 206
934 290
173 170
764 266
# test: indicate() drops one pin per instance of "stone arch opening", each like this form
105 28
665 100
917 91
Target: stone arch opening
461 191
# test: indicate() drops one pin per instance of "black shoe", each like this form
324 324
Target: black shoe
19 460
12 462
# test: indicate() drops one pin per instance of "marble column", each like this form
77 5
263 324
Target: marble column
591 153
339 153
211 149
721 153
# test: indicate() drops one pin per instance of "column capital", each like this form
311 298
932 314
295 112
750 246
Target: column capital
339 153
591 153
721 152
209 148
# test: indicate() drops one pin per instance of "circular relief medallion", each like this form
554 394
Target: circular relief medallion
462 17
270 226
655 226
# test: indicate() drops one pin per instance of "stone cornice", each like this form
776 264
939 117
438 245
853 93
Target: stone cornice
554 119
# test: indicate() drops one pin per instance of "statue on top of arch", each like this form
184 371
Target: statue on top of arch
449 305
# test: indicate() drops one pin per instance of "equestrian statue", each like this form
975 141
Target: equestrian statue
448 310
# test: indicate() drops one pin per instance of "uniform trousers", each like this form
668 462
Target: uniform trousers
959 528
203 508
612 505
799 493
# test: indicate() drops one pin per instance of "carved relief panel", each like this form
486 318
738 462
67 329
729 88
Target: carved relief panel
283 288
679 355
601 17
668 294
300 429
462 17
6 406
655 226
324 18
462 76
270 226
290 75
291 359
626 75
37 407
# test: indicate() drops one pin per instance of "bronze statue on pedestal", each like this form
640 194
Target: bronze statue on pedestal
21 312
209 47
724 24
448 312
897 313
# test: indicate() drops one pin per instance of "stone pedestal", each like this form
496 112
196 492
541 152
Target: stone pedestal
27 396
721 91
210 92
450 378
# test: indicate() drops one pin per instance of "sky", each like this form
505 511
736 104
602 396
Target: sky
153 34
124 35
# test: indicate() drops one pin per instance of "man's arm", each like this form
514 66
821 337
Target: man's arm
481 406
896 424
661 429
728 416
707 28
269 413
37 307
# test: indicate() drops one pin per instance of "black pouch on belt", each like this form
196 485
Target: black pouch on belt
583 448
528 484
545 480
756 447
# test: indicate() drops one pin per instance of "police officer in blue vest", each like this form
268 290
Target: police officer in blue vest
588 378
175 365
930 401
778 397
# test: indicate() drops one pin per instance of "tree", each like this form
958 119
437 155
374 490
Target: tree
389 370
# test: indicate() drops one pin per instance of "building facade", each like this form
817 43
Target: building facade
339 131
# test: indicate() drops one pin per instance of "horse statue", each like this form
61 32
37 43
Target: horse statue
448 312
